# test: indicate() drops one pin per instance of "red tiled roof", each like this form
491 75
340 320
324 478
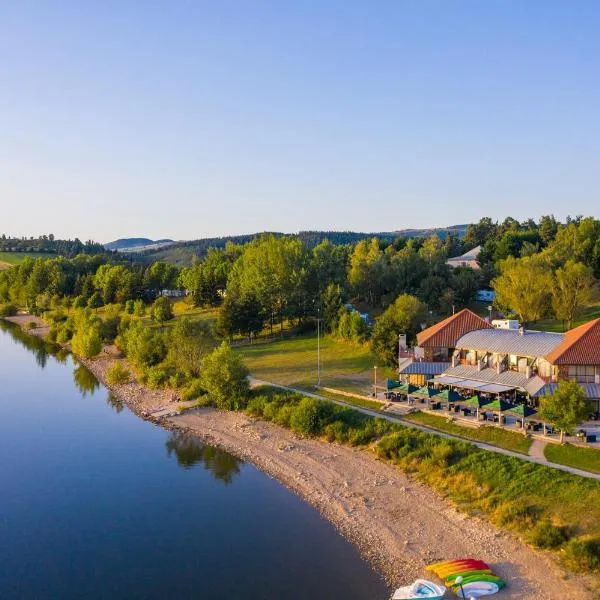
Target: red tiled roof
581 346
445 333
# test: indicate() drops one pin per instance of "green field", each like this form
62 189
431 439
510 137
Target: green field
494 436
587 459
293 362
8 259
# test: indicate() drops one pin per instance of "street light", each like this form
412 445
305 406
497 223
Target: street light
375 381
318 351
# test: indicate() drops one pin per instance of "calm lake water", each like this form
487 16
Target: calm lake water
96 503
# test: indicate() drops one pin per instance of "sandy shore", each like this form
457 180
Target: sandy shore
398 524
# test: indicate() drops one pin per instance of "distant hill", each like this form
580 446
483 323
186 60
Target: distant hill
182 253
137 244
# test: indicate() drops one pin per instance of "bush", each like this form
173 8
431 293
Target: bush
256 406
305 419
224 377
156 377
130 307
583 555
87 341
31 325
161 310
547 535
192 390
117 374
8 309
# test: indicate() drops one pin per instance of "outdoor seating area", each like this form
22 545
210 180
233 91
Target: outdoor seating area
478 409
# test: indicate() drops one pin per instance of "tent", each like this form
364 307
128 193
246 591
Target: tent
392 384
449 395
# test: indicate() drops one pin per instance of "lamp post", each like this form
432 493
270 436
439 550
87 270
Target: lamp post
375 381
459 580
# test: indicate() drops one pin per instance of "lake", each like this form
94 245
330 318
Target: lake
97 503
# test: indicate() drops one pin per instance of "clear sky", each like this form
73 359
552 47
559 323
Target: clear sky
201 118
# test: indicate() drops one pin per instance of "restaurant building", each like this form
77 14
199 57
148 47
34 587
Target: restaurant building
509 363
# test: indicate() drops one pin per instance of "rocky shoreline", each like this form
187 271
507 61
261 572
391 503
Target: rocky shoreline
397 524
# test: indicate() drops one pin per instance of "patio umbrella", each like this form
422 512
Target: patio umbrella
407 388
425 392
450 396
391 384
520 410
499 405
476 402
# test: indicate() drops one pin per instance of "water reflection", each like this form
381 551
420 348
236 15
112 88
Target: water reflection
115 402
38 347
190 451
85 380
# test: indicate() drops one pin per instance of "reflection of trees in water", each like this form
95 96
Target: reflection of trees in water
85 380
114 402
190 451
40 349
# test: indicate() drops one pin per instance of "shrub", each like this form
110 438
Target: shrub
305 419
31 325
130 307
87 341
139 308
283 416
192 390
547 535
117 374
8 309
156 377
256 406
582 555
336 432
161 310
515 515
224 377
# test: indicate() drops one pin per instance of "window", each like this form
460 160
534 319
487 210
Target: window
582 373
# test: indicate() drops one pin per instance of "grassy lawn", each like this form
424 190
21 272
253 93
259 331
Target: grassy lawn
293 362
495 436
8 259
364 403
587 459
591 312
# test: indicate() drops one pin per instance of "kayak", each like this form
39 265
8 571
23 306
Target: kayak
477 589
421 588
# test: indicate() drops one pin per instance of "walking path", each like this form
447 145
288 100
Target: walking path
536 450
537 456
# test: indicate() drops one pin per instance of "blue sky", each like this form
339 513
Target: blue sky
193 119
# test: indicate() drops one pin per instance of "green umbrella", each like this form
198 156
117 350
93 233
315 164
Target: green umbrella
499 405
406 388
391 384
521 410
425 392
475 401
450 396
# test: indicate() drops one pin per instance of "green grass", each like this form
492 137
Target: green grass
293 362
590 313
8 259
587 459
494 436
362 402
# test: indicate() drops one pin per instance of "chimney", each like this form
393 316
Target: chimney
498 368
479 365
454 360
521 330
528 371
